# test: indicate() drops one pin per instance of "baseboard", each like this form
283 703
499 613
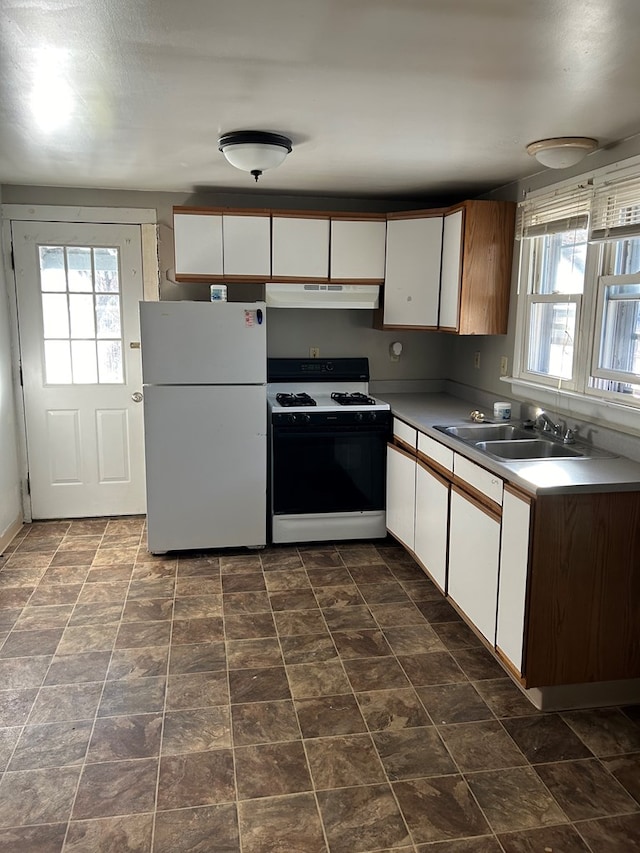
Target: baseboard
7 536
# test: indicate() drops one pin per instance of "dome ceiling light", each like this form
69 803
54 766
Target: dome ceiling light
563 151
254 151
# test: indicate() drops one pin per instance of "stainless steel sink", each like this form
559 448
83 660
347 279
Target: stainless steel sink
516 443
536 448
487 432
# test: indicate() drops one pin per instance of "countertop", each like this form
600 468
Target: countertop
539 476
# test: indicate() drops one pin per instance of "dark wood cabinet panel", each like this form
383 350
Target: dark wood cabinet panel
584 590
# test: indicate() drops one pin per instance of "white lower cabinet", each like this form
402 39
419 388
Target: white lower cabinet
401 495
432 522
474 552
514 560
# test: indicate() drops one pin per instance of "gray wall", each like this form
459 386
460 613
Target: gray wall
10 500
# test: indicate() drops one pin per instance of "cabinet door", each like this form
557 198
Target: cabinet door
197 240
412 272
247 245
357 249
514 561
474 548
432 522
300 248
451 270
401 495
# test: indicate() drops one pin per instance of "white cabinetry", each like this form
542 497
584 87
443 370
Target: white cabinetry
412 272
451 269
514 560
246 245
474 543
198 244
211 245
358 249
401 484
401 495
474 548
432 522
300 248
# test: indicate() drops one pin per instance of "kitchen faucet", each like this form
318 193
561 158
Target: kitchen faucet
559 430
548 425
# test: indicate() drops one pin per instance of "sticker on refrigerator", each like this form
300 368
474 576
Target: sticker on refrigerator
253 318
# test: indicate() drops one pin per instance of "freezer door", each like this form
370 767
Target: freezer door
194 343
206 461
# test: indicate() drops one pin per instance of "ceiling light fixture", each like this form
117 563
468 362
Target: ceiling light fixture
254 151
563 151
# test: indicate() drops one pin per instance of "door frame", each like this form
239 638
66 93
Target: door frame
146 218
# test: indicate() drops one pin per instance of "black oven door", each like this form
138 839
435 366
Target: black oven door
318 469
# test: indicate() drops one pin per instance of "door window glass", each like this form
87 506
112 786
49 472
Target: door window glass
81 310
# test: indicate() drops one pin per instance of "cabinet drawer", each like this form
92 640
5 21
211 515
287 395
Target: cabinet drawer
488 484
406 433
441 455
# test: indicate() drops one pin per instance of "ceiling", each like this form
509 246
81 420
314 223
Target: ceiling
406 98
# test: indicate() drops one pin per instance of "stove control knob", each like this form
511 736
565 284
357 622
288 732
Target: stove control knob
373 416
359 417
305 418
292 419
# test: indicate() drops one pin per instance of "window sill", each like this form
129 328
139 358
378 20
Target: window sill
595 410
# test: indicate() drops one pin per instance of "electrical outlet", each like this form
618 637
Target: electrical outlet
504 365
476 359
314 352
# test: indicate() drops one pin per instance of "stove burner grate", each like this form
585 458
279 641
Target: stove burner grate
301 399
353 399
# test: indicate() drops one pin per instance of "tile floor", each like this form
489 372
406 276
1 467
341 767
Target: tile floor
304 700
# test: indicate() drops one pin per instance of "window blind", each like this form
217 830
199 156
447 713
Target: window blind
565 209
616 209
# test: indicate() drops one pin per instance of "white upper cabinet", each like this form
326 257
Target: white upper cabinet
412 276
451 268
198 243
357 249
246 245
300 248
215 244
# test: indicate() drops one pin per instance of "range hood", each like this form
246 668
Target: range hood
321 295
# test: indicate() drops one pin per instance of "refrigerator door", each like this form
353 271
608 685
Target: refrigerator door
206 466
202 343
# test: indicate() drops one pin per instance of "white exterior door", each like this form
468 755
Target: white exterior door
78 289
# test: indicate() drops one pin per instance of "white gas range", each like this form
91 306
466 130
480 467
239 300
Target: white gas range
327 449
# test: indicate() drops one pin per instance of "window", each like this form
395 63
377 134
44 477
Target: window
553 229
579 290
81 315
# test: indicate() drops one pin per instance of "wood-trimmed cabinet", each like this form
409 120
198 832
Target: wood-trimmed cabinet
211 245
434 470
552 582
474 543
401 483
447 270
412 270
517 512
299 247
358 248
477 252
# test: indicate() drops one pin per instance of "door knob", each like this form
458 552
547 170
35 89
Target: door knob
136 397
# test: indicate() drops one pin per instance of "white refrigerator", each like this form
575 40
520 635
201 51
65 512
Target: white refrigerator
204 371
